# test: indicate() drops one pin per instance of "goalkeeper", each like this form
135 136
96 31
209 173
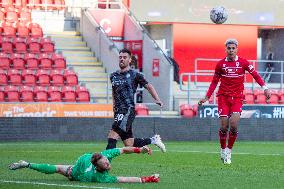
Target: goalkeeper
92 167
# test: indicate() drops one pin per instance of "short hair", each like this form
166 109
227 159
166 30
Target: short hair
95 158
231 41
125 51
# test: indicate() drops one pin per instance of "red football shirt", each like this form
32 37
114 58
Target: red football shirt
231 75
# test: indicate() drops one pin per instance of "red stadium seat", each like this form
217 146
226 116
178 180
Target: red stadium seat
69 94
34 45
59 4
29 77
5 61
3 77
57 77
248 91
31 61
23 31
25 16
12 93
14 77
40 94
9 8
2 94
18 61
59 61
187 111
71 78
249 98
47 45
257 91
9 31
20 3
2 15
274 99
141 110
11 16
36 32
43 78
20 45
33 25
35 4
7 44
281 99
27 94
82 94
7 3
260 99
54 94
45 61
47 4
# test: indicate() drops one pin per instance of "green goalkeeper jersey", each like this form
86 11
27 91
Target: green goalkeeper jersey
85 171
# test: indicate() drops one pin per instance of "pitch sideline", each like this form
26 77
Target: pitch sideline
53 184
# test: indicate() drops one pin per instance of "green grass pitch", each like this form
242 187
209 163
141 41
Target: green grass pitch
185 165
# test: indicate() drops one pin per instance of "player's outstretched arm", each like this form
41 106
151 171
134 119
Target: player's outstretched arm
130 150
154 94
153 178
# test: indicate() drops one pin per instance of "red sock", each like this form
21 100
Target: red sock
232 139
223 138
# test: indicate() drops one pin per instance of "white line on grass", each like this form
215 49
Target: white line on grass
239 153
52 184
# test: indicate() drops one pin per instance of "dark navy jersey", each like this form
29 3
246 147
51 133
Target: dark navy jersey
124 85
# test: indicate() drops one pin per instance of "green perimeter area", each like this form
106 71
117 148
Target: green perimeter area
184 165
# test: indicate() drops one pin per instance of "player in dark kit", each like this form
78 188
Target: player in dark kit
231 72
124 84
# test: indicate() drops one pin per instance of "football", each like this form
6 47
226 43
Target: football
218 15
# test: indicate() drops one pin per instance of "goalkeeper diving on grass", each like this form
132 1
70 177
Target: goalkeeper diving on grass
92 167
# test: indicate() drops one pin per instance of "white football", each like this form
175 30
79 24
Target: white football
218 15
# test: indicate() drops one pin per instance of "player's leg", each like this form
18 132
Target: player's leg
129 140
236 110
43 168
115 132
223 110
113 136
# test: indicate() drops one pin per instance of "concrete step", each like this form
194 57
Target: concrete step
66 38
72 48
63 34
78 53
91 77
71 43
87 64
97 84
89 71
94 69
80 59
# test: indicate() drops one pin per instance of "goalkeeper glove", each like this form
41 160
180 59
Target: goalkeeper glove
152 178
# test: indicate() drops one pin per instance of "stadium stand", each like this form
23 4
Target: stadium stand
30 68
188 111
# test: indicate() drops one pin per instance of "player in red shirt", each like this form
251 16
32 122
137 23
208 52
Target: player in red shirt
230 71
